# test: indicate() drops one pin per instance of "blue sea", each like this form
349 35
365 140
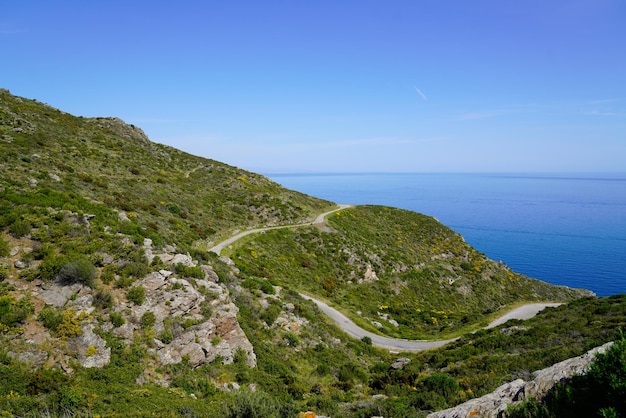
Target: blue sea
566 229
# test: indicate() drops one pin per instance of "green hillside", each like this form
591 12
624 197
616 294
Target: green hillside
53 159
111 305
407 274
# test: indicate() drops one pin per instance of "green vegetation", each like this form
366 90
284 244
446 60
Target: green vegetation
101 166
84 201
136 294
427 279
78 270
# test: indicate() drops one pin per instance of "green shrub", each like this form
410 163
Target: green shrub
50 267
102 299
50 318
148 319
253 405
107 276
259 284
14 311
20 228
70 325
136 269
78 270
4 247
270 314
42 251
166 337
117 319
184 271
136 294
292 339
4 272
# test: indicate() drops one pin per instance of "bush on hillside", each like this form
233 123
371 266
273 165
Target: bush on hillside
4 248
78 270
20 228
136 294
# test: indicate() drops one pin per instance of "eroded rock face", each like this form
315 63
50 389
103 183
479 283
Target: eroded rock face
177 301
221 336
495 404
195 319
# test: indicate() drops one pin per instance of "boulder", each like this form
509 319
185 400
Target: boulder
183 259
544 380
57 295
90 348
400 363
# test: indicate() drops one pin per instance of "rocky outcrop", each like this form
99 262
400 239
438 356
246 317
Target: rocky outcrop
495 404
194 319
200 319
89 348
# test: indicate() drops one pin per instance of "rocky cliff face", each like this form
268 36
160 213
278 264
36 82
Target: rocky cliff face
495 404
192 319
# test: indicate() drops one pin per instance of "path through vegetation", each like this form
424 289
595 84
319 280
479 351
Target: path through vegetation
398 344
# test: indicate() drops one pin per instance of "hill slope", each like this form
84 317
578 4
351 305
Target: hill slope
178 197
110 303
405 273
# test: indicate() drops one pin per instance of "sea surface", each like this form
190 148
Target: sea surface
565 229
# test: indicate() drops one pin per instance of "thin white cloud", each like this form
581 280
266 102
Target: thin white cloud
422 95
485 114
602 113
501 111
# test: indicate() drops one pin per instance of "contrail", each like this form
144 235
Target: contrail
421 94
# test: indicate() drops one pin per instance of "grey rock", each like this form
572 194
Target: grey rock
90 348
544 380
20 264
35 357
125 331
153 281
183 259
492 405
400 363
210 274
496 403
58 295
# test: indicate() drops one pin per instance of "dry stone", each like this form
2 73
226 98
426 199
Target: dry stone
90 348
57 295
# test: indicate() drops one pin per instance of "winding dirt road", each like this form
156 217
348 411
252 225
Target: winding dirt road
319 220
395 344
522 312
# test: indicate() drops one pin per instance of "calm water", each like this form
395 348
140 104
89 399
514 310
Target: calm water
564 229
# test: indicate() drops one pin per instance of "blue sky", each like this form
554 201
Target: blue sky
339 86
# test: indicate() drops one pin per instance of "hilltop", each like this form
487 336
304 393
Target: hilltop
111 303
